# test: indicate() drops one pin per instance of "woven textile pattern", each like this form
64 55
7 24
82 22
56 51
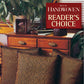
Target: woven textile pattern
9 65
71 71
35 69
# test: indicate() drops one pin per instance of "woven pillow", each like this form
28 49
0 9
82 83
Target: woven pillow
9 63
36 69
71 71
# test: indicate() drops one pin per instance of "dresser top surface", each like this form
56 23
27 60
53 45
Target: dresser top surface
68 36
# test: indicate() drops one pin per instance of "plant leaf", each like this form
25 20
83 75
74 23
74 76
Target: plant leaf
5 8
13 3
11 18
3 19
18 2
44 3
26 0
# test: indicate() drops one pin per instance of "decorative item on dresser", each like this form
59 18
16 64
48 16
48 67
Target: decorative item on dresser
21 26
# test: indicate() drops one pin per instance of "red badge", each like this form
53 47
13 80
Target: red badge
63 15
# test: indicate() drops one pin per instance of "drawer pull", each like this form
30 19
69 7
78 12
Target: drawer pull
52 44
21 42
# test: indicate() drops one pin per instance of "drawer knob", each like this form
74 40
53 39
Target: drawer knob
21 42
52 44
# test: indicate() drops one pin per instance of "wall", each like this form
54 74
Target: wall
76 1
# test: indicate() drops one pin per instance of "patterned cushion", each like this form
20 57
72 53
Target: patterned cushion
9 63
71 71
36 69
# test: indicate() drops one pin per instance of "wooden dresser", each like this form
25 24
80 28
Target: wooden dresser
48 42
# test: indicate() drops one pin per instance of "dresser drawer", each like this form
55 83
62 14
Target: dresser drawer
22 41
53 43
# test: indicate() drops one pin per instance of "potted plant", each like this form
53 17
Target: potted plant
27 8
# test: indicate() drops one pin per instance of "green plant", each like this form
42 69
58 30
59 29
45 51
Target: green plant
3 11
28 8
